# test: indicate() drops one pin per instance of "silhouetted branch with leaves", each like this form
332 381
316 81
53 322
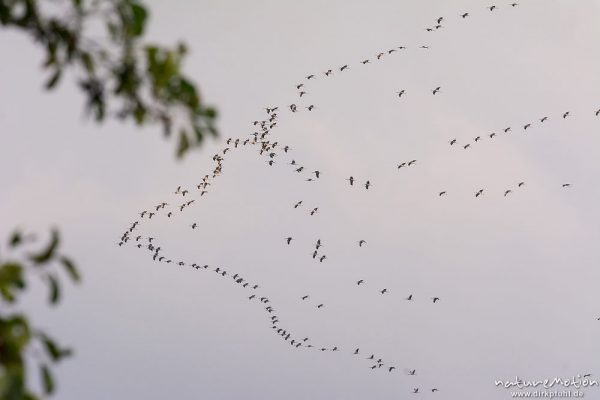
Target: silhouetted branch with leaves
18 338
100 42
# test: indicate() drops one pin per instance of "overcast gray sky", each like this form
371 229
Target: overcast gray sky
517 276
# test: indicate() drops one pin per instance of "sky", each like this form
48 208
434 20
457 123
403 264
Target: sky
516 275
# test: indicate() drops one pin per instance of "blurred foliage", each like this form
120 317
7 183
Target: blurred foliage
18 339
100 42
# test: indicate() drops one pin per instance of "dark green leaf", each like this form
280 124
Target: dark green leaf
54 289
139 19
53 79
11 280
47 379
87 61
54 351
71 269
48 253
184 144
16 239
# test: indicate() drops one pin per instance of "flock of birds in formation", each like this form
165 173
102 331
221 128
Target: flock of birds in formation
270 148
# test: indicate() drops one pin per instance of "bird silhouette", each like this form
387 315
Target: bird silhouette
436 90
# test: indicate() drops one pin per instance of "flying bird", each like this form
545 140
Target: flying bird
437 89
361 242
288 240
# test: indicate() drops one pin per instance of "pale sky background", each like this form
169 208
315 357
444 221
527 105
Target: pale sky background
517 276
